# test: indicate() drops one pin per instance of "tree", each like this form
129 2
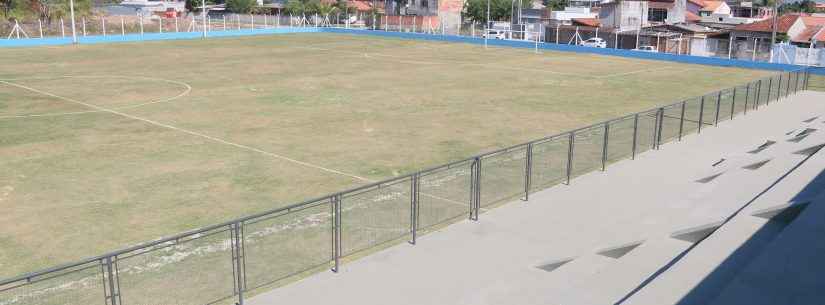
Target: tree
240 6
46 10
556 5
302 7
194 5
500 10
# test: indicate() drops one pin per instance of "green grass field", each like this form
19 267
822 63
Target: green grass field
105 146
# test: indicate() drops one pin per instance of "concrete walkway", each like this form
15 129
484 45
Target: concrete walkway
596 239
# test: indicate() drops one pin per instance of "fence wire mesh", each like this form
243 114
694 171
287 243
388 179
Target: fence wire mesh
80 285
588 145
549 162
196 270
620 139
298 240
444 194
502 175
375 215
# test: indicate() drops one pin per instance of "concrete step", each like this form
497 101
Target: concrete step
710 265
616 280
574 271
790 270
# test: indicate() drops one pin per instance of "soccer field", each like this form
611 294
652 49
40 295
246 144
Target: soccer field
105 146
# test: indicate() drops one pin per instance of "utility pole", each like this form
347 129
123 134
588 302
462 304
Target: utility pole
203 17
774 25
71 12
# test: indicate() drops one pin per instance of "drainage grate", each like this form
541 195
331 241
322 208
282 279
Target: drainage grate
756 165
549 267
762 147
619 251
696 234
709 178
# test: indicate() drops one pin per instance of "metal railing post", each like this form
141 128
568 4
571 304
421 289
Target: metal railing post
718 105
635 136
701 114
759 94
778 89
733 103
238 257
112 294
475 188
604 144
335 207
414 185
570 143
807 79
528 170
682 120
660 118
747 96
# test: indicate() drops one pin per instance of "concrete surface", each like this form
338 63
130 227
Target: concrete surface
495 260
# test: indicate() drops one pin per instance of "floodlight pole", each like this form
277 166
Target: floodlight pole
203 17
74 30
487 27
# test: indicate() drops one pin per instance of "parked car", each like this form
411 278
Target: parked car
495 34
595 43
650 49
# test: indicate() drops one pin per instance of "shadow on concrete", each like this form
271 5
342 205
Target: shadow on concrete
716 282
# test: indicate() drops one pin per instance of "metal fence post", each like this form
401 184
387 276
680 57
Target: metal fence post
528 170
718 105
475 188
701 114
733 103
604 144
778 89
237 260
807 78
635 136
660 118
759 94
112 292
682 120
570 142
414 185
747 96
335 206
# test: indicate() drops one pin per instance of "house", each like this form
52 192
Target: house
819 7
624 15
667 11
567 16
797 28
448 11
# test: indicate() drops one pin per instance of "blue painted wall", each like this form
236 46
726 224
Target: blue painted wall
93 39
712 61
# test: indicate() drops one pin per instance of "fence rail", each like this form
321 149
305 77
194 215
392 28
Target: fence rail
220 264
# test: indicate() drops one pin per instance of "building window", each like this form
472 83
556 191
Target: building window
656 14
425 3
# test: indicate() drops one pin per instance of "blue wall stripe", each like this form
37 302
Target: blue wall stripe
689 59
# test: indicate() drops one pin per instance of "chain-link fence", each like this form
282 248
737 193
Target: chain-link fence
222 263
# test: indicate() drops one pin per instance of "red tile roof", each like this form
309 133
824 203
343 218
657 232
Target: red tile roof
806 34
691 17
813 20
711 5
594 22
700 3
783 24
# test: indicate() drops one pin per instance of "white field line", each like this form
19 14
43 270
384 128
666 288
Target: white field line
643 71
187 89
194 133
403 59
